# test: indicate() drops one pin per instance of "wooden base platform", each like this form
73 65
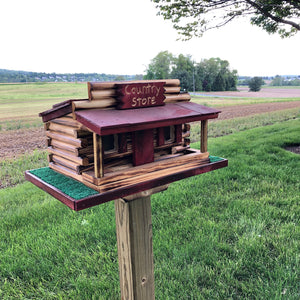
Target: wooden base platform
120 192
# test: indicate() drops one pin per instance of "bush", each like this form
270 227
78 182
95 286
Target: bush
255 84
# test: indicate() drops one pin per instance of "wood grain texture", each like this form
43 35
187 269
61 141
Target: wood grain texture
98 156
177 97
204 135
84 161
102 103
81 142
135 250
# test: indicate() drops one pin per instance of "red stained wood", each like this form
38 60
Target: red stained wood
58 110
140 95
105 122
178 133
124 191
142 145
160 136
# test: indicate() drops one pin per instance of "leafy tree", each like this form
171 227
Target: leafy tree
194 17
183 70
216 75
255 84
209 75
160 66
277 81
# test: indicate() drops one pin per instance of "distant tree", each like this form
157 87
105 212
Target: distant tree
277 81
194 17
119 78
183 68
255 84
216 75
160 66
281 81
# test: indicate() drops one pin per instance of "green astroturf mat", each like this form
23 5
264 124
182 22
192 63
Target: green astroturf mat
67 185
215 158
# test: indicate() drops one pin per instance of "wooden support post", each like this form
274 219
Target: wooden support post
98 155
135 250
204 132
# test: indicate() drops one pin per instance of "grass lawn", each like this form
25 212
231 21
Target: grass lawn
230 234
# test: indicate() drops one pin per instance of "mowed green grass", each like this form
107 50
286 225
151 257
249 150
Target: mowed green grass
229 234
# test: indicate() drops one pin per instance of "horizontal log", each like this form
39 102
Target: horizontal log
112 84
151 167
103 94
78 143
70 156
65 171
63 129
64 146
172 90
179 97
66 163
58 160
149 176
103 103
67 121
89 150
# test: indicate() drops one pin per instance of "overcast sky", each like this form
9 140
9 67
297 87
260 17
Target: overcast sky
121 37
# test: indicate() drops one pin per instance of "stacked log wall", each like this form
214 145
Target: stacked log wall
70 146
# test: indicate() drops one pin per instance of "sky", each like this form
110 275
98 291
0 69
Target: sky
121 37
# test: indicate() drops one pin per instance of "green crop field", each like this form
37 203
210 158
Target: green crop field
22 103
229 234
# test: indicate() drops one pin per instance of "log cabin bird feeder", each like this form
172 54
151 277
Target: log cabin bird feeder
126 138
125 142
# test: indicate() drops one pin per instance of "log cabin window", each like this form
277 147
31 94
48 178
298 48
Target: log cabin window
169 134
109 143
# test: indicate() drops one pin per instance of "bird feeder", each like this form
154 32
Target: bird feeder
125 142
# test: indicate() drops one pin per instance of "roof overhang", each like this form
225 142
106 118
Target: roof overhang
105 122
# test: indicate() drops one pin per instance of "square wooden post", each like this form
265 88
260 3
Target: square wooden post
98 155
204 133
135 250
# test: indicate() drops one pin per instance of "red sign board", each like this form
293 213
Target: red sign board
139 95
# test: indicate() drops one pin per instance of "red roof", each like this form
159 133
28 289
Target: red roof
104 122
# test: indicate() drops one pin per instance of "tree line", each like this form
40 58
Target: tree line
11 76
282 81
208 75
